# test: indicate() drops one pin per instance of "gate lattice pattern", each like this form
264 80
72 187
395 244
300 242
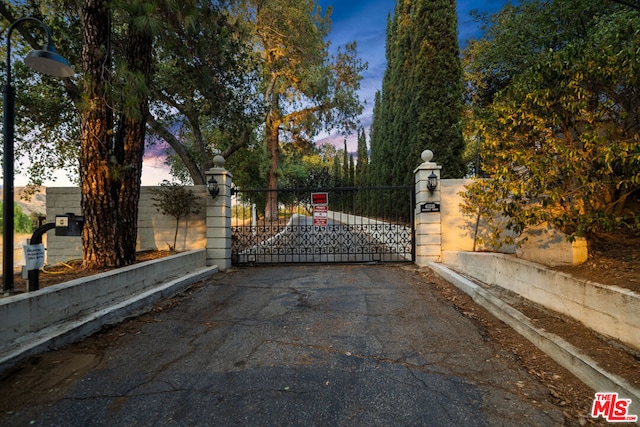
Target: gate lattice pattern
360 225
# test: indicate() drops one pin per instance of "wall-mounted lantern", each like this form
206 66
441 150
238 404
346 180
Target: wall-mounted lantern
432 182
213 187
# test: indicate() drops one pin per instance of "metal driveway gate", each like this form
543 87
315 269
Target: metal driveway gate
337 225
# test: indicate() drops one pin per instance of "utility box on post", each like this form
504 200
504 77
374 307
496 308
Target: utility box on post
69 224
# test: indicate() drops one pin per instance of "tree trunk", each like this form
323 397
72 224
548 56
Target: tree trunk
129 147
273 151
175 235
196 173
110 169
98 203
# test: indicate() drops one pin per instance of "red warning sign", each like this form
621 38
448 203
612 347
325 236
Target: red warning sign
320 215
319 198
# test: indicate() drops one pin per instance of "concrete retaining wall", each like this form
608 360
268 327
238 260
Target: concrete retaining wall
29 313
608 310
155 230
567 355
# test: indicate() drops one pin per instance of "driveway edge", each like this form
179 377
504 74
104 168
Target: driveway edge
75 330
564 353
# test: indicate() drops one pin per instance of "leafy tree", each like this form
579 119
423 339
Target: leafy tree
420 104
100 127
304 89
110 100
175 200
205 72
47 125
21 223
554 87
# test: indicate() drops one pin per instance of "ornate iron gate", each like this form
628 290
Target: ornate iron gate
338 225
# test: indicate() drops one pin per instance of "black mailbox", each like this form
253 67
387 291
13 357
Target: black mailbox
69 224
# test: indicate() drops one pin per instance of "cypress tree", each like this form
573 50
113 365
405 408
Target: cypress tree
337 171
361 178
352 171
375 167
345 165
420 105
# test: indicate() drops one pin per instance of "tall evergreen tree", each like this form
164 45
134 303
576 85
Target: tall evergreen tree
336 175
345 165
361 178
378 172
421 100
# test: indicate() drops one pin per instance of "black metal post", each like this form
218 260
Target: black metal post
7 183
33 276
44 61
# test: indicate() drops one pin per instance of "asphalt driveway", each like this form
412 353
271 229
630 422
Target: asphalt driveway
321 345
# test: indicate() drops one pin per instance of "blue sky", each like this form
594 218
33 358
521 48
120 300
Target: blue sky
365 21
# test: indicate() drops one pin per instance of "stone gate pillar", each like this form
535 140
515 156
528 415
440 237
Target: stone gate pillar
219 217
427 211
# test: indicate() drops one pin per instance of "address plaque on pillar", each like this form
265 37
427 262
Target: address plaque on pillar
430 207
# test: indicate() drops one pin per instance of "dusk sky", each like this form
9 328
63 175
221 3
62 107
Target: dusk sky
363 21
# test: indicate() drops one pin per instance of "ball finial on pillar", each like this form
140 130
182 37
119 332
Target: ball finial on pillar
427 155
218 161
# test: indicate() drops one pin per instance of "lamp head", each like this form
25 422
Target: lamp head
47 61
432 182
213 187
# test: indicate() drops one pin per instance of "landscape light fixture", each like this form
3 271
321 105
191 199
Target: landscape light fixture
432 182
213 187
45 61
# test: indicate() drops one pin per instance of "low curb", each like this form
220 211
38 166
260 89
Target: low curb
77 329
564 353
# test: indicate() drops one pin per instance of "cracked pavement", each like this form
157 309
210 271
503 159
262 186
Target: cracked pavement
357 345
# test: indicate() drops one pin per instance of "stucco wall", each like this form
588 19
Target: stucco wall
458 229
544 244
155 230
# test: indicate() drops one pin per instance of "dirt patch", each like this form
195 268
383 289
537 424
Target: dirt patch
614 259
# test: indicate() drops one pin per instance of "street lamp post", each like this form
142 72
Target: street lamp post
45 61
